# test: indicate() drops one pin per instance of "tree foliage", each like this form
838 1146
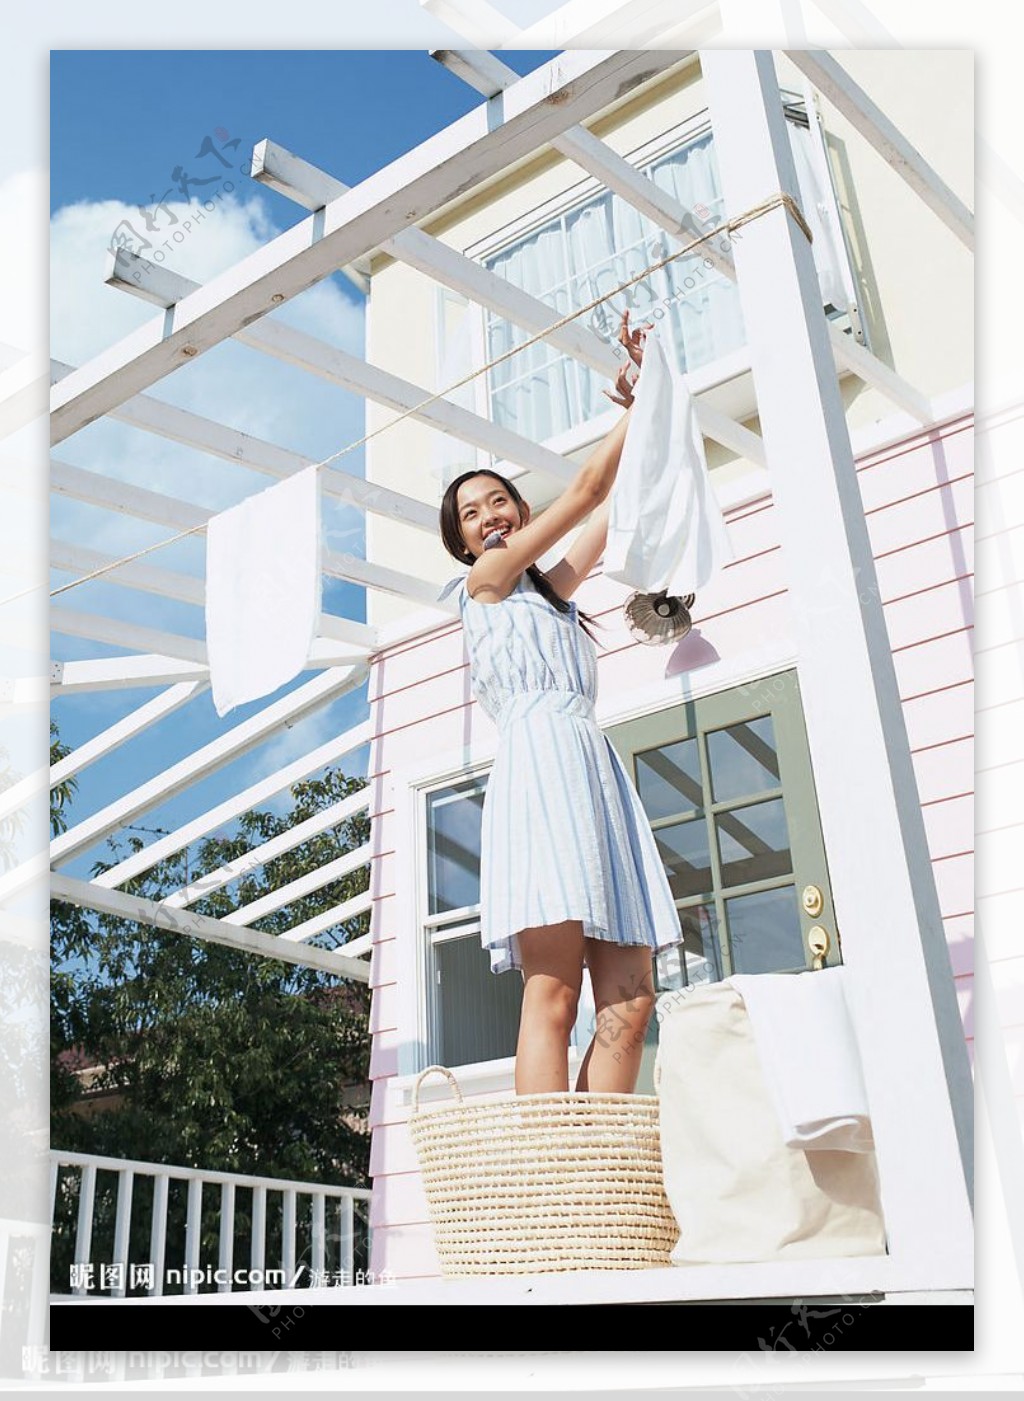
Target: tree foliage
222 1059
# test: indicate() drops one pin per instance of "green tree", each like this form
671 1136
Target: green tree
222 1059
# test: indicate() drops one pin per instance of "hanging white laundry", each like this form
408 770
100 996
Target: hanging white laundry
808 1053
665 528
263 589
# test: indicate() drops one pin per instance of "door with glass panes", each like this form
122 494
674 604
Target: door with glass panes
727 786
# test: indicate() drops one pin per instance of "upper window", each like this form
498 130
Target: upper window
595 245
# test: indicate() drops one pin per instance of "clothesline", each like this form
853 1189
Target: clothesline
781 199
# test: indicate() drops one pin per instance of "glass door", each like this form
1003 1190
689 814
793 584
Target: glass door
727 786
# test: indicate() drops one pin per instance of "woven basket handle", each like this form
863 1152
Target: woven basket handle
431 1070
657 1073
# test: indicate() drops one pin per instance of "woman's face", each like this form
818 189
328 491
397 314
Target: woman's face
484 506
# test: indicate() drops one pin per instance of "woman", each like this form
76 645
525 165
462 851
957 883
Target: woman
570 872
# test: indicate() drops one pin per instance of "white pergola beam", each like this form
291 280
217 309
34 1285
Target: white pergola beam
215 817
880 869
143 504
478 68
119 733
484 142
313 189
304 885
215 931
205 435
122 673
348 909
304 700
468 277
71 622
188 588
356 376
382 387
326 650
126 499
680 225
386 580
258 856
360 946
849 98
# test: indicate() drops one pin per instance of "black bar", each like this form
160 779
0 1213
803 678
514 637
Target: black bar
798 1326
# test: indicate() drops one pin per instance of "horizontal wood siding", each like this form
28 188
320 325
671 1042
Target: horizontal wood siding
918 499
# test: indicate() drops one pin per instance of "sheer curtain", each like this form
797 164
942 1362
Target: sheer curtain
588 251
533 391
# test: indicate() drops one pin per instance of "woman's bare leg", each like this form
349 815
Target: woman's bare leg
552 959
623 983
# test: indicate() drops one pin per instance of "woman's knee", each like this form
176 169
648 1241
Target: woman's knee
552 1000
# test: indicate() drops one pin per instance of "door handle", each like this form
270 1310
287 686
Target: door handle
819 943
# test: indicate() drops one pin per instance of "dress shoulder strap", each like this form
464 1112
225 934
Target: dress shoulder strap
451 585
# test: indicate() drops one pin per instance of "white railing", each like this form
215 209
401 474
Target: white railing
335 1229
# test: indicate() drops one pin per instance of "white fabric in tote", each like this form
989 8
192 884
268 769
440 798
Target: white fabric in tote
738 1192
809 1057
263 587
665 528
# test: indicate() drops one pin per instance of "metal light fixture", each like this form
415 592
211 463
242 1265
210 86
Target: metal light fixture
657 618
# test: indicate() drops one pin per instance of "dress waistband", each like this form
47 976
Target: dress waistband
525 703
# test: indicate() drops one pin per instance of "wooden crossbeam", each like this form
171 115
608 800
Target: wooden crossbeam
240 739
567 90
849 98
258 856
90 896
223 812
243 449
680 224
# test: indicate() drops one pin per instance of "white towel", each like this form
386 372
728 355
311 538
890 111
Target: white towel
263 587
665 528
808 1052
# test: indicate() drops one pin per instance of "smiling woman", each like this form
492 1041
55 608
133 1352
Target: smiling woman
570 873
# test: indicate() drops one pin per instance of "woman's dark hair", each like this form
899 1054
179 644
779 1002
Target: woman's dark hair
451 537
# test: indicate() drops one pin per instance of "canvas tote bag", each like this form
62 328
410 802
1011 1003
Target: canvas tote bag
738 1191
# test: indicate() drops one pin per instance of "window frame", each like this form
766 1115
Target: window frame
801 110
464 923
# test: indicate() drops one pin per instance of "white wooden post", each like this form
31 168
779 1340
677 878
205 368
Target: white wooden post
226 1258
909 1030
83 1235
193 1233
122 1231
158 1233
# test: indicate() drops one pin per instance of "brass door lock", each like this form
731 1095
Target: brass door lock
812 900
819 944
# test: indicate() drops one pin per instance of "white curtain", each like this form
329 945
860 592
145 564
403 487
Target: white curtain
532 392
589 251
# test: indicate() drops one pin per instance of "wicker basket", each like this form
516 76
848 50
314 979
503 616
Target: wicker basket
536 1183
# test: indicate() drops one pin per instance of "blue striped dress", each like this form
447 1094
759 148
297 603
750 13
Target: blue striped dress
564 834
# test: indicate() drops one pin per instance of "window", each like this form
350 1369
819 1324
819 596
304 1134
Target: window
472 1014
597 243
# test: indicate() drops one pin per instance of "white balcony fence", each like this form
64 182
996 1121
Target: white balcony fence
122 1228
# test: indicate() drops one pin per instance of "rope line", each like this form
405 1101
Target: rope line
781 199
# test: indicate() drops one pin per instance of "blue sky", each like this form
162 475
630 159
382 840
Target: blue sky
132 127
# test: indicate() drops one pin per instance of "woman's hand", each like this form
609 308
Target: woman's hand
634 343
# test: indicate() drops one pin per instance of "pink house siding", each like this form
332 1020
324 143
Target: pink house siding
918 499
